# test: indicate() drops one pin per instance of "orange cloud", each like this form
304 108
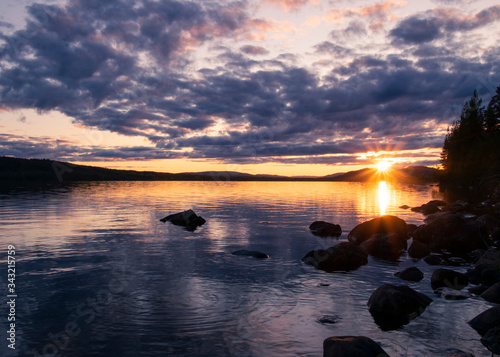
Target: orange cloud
291 5
378 13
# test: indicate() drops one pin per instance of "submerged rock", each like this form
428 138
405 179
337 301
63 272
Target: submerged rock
344 256
329 319
325 229
434 260
410 274
251 253
393 306
187 219
452 294
352 346
449 279
380 225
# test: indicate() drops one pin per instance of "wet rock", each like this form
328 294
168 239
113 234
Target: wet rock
491 340
492 294
486 320
380 225
434 260
325 229
426 209
489 260
344 256
393 306
451 232
187 219
352 346
473 276
475 255
489 276
448 278
456 261
452 294
404 207
418 250
251 253
478 289
385 246
411 229
410 274
488 223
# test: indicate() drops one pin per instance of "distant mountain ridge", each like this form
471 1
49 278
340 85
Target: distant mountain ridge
44 170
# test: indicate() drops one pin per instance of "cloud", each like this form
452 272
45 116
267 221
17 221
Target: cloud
377 14
254 50
437 23
129 69
291 5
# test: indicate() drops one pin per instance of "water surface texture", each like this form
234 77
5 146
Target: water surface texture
99 275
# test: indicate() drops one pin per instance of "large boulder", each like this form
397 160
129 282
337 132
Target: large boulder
385 246
410 274
492 294
489 260
453 233
393 306
344 256
418 250
325 229
491 340
449 279
486 320
380 225
352 346
187 219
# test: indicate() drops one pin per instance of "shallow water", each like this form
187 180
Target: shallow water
98 274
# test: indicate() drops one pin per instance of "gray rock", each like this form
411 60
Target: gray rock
352 346
491 340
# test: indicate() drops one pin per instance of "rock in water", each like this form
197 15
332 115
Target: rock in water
449 279
385 246
410 274
380 225
492 294
187 219
344 256
352 346
394 306
251 253
491 340
325 229
486 320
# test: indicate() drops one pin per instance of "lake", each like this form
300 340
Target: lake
97 273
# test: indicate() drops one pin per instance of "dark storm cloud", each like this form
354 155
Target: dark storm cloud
121 66
437 23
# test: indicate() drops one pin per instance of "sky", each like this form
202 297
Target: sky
290 87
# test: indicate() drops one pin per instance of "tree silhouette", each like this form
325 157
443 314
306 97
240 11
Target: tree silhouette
471 150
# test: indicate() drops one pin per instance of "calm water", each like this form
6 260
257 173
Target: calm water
99 275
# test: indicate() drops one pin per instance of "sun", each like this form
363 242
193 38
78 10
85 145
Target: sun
383 166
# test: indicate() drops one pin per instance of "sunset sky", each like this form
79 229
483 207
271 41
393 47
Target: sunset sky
293 87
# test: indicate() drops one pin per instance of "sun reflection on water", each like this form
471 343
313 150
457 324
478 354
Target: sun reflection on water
383 197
